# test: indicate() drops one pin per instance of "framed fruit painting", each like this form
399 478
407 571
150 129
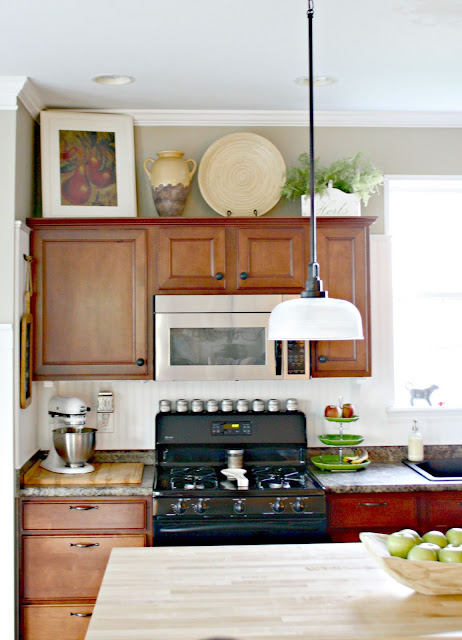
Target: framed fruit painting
88 165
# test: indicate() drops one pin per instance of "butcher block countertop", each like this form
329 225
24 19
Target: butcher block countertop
108 479
283 592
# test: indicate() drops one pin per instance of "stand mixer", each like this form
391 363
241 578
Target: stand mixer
73 444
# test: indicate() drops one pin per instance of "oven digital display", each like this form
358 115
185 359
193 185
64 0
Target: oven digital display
223 428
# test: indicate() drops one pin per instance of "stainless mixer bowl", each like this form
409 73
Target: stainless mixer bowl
74 446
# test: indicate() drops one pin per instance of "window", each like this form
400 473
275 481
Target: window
425 222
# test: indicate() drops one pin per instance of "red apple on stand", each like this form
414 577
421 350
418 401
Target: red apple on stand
348 410
333 411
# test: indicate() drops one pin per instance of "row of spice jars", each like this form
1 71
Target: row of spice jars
242 405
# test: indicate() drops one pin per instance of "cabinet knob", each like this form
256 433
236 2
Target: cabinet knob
140 362
322 359
243 276
219 276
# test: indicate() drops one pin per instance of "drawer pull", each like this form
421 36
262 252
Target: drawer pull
372 504
81 615
84 545
83 508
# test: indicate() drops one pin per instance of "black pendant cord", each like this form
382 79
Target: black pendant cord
313 285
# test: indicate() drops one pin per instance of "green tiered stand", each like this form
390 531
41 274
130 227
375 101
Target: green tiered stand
334 462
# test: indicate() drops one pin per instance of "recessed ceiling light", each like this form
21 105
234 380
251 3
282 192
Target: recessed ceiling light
113 79
318 81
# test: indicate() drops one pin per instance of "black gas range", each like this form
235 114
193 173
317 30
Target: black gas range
235 478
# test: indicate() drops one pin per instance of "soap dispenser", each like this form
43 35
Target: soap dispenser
415 448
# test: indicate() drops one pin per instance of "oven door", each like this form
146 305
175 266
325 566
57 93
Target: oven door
249 530
222 338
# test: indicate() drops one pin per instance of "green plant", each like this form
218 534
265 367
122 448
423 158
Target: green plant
355 174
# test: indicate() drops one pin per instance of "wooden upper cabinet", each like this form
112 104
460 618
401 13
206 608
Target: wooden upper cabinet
191 258
90 303
271 259
230 257
94 281
343 256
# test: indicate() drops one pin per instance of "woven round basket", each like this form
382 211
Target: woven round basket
241 174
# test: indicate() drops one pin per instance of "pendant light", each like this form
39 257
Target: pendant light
314 316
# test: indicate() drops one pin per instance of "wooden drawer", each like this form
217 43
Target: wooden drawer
369 510
66 622
68 567
80 515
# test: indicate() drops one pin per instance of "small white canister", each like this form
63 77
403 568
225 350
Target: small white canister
258 405
181 406
197 405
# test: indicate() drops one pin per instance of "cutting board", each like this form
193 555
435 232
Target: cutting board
105 473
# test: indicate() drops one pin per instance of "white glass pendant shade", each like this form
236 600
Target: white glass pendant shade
315 319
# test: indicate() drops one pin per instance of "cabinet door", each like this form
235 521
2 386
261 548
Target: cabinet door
343 256
270 259
443 511
191 258
90 303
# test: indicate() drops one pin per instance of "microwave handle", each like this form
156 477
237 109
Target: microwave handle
278 357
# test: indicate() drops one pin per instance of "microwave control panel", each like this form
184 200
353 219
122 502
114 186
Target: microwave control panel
296 357
232 428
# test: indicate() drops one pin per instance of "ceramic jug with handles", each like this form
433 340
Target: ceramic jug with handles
170 176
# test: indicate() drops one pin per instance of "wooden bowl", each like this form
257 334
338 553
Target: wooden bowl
431 578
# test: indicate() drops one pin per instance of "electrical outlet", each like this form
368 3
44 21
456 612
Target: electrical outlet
105 422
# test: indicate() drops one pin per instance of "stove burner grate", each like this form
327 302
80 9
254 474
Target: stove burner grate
190 478
279 478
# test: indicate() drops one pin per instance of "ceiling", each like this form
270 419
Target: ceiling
386 55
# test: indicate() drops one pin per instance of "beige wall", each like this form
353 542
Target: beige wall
25 164
408 151
7 205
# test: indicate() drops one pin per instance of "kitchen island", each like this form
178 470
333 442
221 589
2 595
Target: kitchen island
310 592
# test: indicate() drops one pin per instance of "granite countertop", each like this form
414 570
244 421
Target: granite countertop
386 473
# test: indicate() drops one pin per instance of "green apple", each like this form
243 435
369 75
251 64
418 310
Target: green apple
450 553
426 551
417 537
435 537
454 536
400 543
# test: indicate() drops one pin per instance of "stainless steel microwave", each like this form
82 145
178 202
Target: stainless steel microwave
223 337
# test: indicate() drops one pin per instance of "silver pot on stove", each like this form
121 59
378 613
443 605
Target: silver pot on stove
235 458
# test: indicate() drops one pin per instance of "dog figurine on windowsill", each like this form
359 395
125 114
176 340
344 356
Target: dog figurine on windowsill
421 394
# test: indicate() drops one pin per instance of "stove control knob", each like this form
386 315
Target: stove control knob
179 507
278 507
239 506
200 507
298 506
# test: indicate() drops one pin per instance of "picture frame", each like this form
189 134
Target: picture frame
88 164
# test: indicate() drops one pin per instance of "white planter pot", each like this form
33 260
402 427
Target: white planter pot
333 203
